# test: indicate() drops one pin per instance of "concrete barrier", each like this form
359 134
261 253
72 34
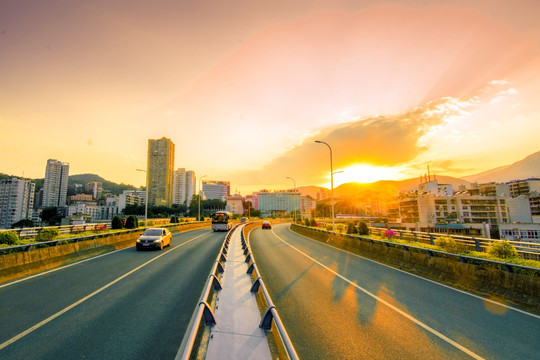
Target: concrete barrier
519 289
20 264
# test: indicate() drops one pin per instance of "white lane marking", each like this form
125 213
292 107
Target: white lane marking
399 311
62 267
52 317
429 280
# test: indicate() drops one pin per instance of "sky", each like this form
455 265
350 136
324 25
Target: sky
245 88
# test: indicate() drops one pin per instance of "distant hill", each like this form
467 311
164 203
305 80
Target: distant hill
520 170
108 186
312 191
392 187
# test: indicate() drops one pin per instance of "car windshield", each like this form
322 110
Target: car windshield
153 232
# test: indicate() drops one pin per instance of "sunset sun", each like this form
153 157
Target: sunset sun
366 173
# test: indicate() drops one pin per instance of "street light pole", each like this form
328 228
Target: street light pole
331 182
200 192
294 202
145 200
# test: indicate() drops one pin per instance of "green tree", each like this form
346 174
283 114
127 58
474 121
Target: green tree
502 249
351 228
194 206
24 223
48 214
8 238
132 222
48 234
134 210
116 222
363 228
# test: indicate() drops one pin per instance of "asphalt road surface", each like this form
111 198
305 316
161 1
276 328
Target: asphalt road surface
122 305
337 305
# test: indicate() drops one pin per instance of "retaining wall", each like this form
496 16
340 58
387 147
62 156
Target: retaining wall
519 289
20 264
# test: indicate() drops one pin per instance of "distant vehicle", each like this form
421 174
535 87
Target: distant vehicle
266 225
221 221
243 220
154 238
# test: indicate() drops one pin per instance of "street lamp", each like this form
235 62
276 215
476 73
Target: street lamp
331 182
200 192
146 200
294 202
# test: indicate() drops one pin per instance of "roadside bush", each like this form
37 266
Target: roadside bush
450 245
132 222
48 234
116 223
8 238
363 228
351 228
312 222
502 249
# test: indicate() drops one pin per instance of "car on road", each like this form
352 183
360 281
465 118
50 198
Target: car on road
154 238
266 225
243 220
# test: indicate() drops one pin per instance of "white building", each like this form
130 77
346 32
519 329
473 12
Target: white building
216 189
55 184
235 204
184 186
131 197
191 185
16 201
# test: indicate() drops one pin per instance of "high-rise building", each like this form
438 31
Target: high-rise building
55 184
16 201
183 186
191 185
160 171
214 189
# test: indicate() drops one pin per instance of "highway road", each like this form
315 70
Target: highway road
122 305
337 305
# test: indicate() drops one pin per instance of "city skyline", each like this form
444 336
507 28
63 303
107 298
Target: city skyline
245 90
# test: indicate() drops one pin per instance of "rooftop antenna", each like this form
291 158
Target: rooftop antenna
429 176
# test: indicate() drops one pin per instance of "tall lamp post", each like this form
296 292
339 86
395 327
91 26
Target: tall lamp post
294 202
145 200
331 182
200 194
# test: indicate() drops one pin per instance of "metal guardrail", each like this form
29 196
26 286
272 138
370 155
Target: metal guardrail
479 244
464 259
526 250
203 309
271 313
52 243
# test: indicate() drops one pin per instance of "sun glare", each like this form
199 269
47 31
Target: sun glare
364 173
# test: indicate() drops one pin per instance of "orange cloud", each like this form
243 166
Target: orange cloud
389 140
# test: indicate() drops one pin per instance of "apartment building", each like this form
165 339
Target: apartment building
16 201
216 189
160 170
184 186
55 184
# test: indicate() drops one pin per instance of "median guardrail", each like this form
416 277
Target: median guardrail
203 310
270 316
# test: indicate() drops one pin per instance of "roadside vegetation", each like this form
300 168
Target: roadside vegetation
502 251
